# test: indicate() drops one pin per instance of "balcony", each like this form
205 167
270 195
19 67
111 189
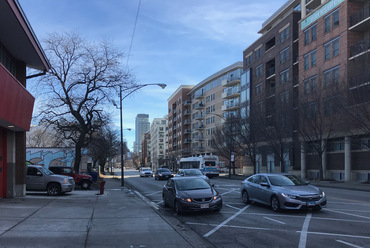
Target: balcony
187 131
198 147
187 112
199 106
270 73
360 48
230 106
230 81
360 21
312 4
200 127
198 138
231 93
187 122
199 95
187 141
187 103
198 116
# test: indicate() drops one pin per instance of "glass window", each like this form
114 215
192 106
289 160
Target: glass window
313 58
327 51
307 37
306 62
313 32
327 24
336 47
335 18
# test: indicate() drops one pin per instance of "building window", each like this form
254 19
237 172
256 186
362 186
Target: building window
284 55
331 20
311 110
331 48
331 106
307 57
284 35
310 85
258 88
284 98
258 53
310 33
284 76
248 60
258 71
331 76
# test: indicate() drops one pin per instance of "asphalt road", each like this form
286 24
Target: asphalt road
344 223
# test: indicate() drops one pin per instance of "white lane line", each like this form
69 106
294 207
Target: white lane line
232 207
303 238
225 222
277 221
228 192
231 226
154 193
339 235
355 215
349 244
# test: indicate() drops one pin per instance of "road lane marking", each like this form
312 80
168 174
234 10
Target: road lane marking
225 222
340 235
355 215
231 226
349 244
232 207
154 193
228 192
303 238
277 221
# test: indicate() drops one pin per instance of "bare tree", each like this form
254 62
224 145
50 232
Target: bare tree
225 140
44 136
83 75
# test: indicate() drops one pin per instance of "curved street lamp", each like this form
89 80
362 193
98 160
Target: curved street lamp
121 98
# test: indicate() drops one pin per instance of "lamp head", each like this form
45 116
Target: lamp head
162 85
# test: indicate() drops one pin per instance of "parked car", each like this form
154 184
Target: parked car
84 181
192 173
41 179
210 171
162 173
190 194
145 172
282 191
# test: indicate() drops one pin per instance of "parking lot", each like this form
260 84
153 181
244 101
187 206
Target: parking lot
344 223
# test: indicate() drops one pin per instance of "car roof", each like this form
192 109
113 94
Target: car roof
273 174
185 178
188 169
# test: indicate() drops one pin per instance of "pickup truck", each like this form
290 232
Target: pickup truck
41 179
84 181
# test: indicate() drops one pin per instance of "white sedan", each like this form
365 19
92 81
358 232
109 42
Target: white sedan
145 172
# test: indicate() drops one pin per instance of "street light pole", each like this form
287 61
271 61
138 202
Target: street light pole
121 121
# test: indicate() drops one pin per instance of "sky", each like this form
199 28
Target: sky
176 42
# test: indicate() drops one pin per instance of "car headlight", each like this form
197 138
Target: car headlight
160 175
288 196
185 199
322 194
65 180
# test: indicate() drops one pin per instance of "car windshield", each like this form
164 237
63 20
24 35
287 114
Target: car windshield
164 170
192 173
286 180
192 184
146 169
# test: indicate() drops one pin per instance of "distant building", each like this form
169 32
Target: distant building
19 49
146 157
142 126
159 142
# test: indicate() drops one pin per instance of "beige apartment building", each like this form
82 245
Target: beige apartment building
159 142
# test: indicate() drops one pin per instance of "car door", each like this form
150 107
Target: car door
170 192
34 179
264 190
253 184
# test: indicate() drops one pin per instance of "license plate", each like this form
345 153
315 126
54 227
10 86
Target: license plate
204 205
311 203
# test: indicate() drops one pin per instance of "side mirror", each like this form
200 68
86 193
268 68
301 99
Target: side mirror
39 174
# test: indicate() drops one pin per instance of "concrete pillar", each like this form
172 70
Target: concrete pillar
10 163
303 9
323 160
347 159
303 161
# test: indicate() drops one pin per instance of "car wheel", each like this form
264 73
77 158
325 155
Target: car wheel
85 184
53 189
177 208
275 204
245 197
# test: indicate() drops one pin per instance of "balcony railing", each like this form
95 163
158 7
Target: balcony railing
360 47
270 72
360 15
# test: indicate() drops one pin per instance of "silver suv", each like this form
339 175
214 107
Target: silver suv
41 179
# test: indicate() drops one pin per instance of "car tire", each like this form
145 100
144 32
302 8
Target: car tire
85 184
53 189
177 208
275 204
245 197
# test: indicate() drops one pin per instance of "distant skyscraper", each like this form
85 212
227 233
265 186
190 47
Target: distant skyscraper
142 126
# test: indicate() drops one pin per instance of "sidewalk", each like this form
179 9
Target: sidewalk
325 184
118 218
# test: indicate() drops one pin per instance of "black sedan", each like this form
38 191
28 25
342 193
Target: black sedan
186 194
162 173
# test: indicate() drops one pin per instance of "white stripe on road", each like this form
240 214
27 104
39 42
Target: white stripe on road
154 193
231 226
225 222
277 221
339 235
232 207
303 238
355 215
228 192
349 244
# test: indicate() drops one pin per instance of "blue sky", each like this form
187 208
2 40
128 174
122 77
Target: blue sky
176 42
